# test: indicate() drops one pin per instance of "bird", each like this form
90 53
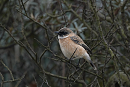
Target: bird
73 47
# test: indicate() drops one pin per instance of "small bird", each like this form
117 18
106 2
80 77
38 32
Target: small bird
72 46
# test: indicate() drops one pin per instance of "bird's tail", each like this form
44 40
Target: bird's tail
88 59
94 67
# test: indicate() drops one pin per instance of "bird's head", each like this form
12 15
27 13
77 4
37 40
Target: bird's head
64 32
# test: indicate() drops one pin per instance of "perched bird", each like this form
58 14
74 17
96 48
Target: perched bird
72 46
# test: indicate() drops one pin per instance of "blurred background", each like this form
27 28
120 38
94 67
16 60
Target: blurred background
29 51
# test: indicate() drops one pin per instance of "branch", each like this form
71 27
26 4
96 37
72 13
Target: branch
33 20
7 69
24 32
11 45
124 19
20 79
2 77
65 78
18 42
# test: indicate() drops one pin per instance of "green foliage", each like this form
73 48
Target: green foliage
120 79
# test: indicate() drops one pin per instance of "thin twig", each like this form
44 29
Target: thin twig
18 42
63 12
33 20
8 69
20 79
23 32
24 6
2 77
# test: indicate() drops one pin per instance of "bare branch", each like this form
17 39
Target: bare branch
8 69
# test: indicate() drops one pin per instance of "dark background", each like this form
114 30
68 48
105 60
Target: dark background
29 51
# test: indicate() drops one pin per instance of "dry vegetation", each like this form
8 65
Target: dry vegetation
29 51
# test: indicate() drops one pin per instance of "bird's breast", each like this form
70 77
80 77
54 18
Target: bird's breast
69 48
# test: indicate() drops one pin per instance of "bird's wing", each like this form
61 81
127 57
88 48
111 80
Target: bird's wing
76 39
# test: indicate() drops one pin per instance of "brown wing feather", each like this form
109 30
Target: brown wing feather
79 41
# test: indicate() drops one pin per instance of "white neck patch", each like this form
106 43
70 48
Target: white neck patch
62 37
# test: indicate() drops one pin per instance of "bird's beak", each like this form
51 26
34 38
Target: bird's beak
56 32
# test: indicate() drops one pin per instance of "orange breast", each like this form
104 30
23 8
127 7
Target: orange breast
68 47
